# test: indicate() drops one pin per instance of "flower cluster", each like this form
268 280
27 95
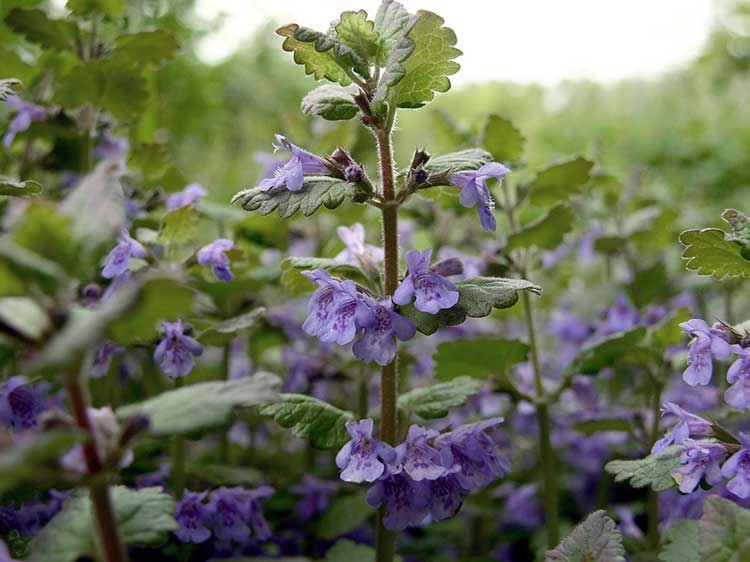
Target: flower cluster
229 514
28 518
425 478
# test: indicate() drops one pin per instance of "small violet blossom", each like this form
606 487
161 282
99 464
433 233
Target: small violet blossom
103 358
474 190
421 460
357 251
117 261
21 403
433 292
112 149
688 425
737 469
190 194
699 459
377 343
26 114
316 496
175 351
191 515
738 375
407 503
292 173
708 343
214 255
360 458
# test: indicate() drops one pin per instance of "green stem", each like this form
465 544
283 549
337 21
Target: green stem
178 458
385 540
652 499
106 520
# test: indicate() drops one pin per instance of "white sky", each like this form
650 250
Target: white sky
521 40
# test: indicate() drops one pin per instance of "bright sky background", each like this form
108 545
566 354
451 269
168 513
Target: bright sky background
521 40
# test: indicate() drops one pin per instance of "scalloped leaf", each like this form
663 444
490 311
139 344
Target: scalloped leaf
437 400
38 28
595 539
467 159
9 87
17 188
605 353
545 233
724 531
316 191
330 102
147 47
740 224
682 542
319 422
708 252
477 358
654 470
393 22
502 139
477 298
559 180
356 31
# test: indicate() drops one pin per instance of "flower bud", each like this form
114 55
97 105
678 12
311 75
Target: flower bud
353 173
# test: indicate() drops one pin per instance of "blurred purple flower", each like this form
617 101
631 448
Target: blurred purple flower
293 172
357 252
737 469
360 457
191 515
226 516
474 190
708 343
316 495
407 503
688 425
433 292
26 113
239 361
175 351
117 260
446 497
377 343
103 358
269 162
214 254
699 459
112 148
620 317
21 403
738 375
190 194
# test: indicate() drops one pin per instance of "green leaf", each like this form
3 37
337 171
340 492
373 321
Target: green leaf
34 456
33 232
9 87
605 353
32 268
545 233
478 358
682 542
740 224
437 400
469 159
357 32
293 279
150 159
98 196
724 531
319 422
349 551
144 518
38 28
708 252
85 8
655 470
25 317
559 181
667 332
392 22
428 66
147 47
344 514
178 232
476 299
114 84
589 427
320 63
330 102
316 191
14 188
596 539
502 139
203 406
224 332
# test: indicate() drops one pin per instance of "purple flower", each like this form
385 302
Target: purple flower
117 260
239 360
190 194
737 468
407 503
522 508
738 375
112 148
708 343
192 515
688 425
293 172
421 460
269 163
474 190
103 358
476 453
175 351
433 292
20 403
377 343
226 516
322 303
117 282
316 495
359 458
26 113
620 317
446 497
336 310
357 251
214 255
699 459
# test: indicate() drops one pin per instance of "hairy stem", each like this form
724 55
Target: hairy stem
98 487
385 542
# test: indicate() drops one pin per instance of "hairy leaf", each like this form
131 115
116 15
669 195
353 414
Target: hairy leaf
708 252
316 191
478 358
330 102
682 542
393 22
502 139
8 87
724 531
605 353
225 331
312 419
740 224
203 406
315 53
596 539
144 518
356 31
469 159
437 400
344 514
545 233
560 180
654 470
38 28
147 47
